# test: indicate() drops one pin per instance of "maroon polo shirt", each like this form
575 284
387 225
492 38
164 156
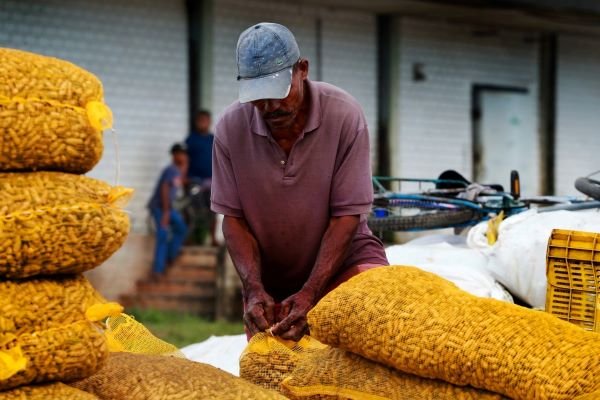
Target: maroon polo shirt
288 201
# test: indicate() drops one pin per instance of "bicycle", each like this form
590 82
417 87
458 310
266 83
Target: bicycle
454 202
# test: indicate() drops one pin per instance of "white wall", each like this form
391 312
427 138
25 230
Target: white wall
138 49
578 111
433 117
348 47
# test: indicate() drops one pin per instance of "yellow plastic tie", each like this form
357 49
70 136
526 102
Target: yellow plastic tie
119 196
99 312
493 226
12 360
99 115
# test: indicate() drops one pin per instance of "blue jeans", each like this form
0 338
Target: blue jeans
167 248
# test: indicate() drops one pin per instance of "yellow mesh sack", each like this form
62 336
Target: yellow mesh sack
421 324
40 304
267 360
51 114
146 377
52 391
65 353
25 74
591 396
52 222
124 334
336 374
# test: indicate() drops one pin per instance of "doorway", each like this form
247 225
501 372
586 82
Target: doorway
505 136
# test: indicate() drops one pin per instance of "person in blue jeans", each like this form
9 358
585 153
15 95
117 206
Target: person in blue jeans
171 229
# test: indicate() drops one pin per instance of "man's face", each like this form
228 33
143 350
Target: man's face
281 113
203 123
180 159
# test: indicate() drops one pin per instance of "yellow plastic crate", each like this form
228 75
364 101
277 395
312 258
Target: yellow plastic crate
573 260
573 273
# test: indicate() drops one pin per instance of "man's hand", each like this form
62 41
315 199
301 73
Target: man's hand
259 315
293 312
165 219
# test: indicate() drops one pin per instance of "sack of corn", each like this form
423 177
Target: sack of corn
150 377
51 114
52 391
35 305
424 325
267 360
336 374
51 222
65 353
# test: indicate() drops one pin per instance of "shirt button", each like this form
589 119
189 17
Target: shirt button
282 162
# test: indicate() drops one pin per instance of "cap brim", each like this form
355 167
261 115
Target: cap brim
273 86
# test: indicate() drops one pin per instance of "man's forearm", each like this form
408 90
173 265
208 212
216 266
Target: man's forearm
333 251
165 198
244 252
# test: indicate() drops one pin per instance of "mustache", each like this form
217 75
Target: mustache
276 114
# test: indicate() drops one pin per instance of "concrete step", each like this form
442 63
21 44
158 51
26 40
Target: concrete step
197 256
189 285
192 272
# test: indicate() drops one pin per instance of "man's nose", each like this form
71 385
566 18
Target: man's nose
270 105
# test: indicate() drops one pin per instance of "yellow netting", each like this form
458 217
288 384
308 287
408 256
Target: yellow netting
66 353
124 334
421 324
267 360
53 391
53 222
51 114
336 374
142 377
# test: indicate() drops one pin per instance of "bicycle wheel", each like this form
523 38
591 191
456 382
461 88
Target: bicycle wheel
589 187
421 215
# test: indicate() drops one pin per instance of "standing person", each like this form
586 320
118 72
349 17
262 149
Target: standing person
166 218
199 146
292 175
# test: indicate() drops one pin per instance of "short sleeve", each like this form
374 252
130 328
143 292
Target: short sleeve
169 175
352 188
224 194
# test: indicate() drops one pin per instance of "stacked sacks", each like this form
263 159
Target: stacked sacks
404 334
311 370
51 114
420 324
53 225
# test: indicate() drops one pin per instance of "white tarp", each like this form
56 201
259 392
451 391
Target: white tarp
465 267
518 258
219 351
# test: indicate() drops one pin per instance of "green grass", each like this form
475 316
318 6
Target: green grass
183 329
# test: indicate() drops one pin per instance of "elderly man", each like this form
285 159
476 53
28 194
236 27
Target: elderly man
291 174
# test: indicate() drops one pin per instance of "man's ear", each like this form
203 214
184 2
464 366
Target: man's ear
303 68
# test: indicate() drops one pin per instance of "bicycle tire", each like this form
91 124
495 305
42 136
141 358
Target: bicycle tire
589 187
425 221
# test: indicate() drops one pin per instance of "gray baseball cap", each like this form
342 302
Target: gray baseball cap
266 53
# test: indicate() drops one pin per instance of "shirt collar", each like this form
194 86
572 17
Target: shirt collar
259 126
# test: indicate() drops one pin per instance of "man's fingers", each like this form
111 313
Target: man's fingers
252 329
269 313
284 310
285 324
296 332
258 318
